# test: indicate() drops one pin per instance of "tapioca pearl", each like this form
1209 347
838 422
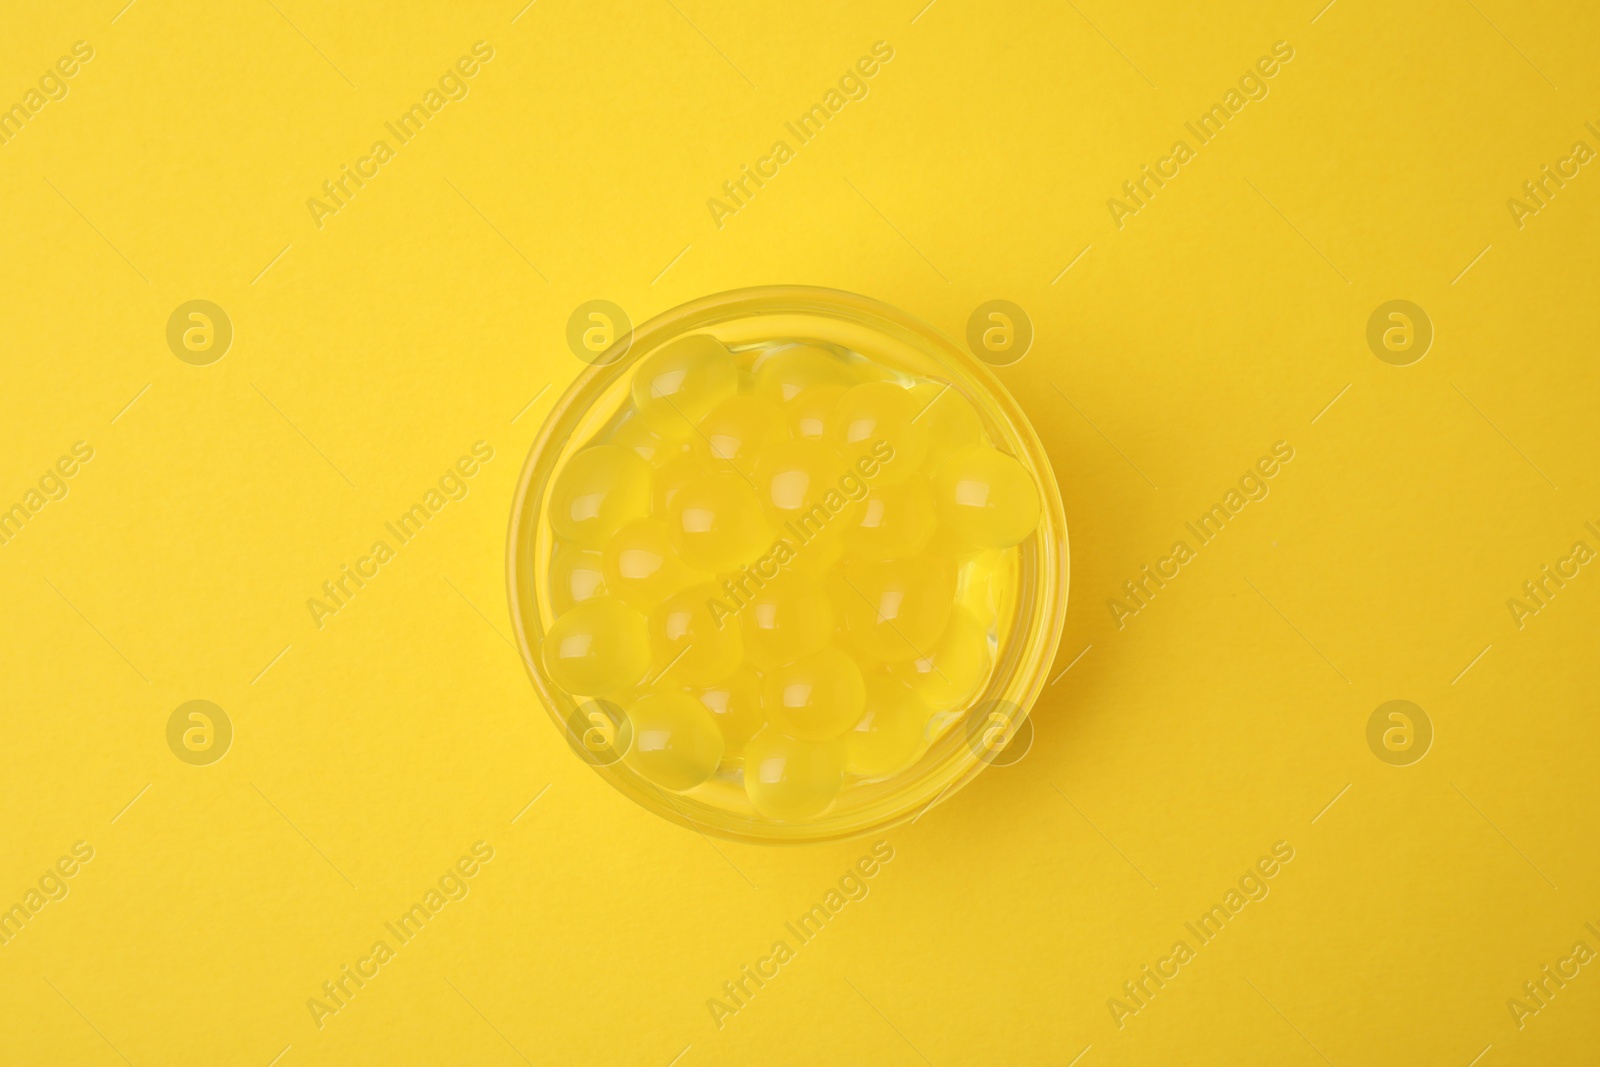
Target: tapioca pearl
691 640
718 523
788 619
889 736
783 375
688 467
878 421
986 587
575 576
808 412
789 778
600 489
897 609
650 446
735 705
737 431
893 521
677 384
816 698
955 667
952 422
600 646
676 743
795 478
987 498
642 566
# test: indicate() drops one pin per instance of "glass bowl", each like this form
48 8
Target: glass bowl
1026 588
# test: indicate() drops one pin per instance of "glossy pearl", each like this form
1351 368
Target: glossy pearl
735 706
676 743
952 422
690 644
600 489
790 778
600 646
893 522
880 420
737 431
718 524
575 576
888 738
987 498
955 667
897 610
809 411
786 620
677 384
642 566
816 698
796 477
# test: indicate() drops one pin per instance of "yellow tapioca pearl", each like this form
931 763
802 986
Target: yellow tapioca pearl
789 778
737 430
897 609
676 743
986 587
987 498
952 422
676 385
692 645
575 576
600 489
816 698
786 620
879 420
600 646
642 566
954 667
893 522
735 704
889 736
781 376
718 523
808 412
795 477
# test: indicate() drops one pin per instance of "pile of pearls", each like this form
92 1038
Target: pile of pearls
785 565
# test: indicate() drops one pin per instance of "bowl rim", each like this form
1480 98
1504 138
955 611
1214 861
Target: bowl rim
1039 642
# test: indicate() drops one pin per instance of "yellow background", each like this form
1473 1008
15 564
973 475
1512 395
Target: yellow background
427 315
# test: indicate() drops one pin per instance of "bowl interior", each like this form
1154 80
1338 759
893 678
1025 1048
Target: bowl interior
1030 619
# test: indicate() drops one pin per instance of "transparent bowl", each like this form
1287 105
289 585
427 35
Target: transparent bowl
1028 622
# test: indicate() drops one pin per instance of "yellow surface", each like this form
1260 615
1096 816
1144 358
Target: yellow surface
371 753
